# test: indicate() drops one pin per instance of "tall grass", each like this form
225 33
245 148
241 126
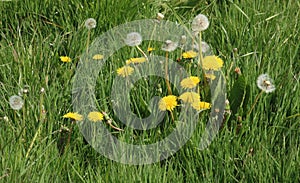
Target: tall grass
263 146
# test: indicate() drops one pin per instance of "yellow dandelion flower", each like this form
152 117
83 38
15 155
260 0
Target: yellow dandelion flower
201 105
190 97
168 103
136 60
74 116
125 71
95 116
65 59
98 57
150 49
210 76
190 82
212 63
189 54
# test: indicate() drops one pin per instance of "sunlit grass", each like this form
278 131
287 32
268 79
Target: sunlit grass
262 146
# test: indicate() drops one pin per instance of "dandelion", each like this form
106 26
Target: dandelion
160 16
210 76
74 116
265 83
168 103
136 60
204 47
133 39
200 23
169 46
189 54
95 116
150 49
190 82
125 71
16 102
65 59
98 57
212 63
183 40
190 97
201 105
90 23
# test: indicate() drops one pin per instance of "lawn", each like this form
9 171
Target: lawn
258 131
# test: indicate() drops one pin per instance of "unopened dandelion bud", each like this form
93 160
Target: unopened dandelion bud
160 16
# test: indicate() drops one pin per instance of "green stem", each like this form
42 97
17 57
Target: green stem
167 75
255 101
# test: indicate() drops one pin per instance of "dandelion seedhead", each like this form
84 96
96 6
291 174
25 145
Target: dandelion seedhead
16 102
265 83
200 23
133 39
169 46
204 46
90 23
160 16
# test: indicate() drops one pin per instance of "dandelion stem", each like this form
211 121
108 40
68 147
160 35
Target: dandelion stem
116 128
255 101
172 116
167 74
144 54
200 61
88 41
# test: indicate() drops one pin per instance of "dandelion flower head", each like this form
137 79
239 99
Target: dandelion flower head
16 102
210 76
65 59
136 60
200 23
125 71
74 116
90 23
169 46
189 54
168 103
190 82
95 116
133 39
150 49
201 105
265 83
212 62
98 57
190 97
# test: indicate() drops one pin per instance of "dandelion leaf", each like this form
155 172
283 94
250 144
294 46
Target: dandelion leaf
239 95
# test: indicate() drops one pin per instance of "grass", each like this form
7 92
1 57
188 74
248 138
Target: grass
265 148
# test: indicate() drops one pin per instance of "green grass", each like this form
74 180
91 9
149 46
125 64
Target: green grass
34 35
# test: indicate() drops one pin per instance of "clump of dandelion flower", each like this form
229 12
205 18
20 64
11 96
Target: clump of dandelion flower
190 82
169 46
265 83
201 105
190 97
98 57
65 59
125 71
200 23
90 23
74 116
95 116
133 39
189 54
212 62
136 60
168 103
16 102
